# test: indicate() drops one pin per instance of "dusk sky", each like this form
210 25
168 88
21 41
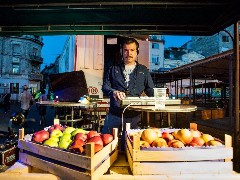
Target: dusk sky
53 46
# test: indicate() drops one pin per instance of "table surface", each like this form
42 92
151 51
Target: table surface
175 108
65 104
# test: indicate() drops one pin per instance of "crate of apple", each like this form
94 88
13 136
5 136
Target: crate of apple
174 138
70 138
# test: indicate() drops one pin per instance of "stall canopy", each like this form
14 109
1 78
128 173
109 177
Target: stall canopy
44 17
214 67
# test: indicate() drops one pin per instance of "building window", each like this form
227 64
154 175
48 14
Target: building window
155 46
225 39
15 60
16 49
14 88
35 50
15 69
155 59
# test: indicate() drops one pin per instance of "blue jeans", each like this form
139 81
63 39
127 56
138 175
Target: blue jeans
112 121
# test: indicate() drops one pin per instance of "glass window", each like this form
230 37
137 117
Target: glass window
15 69
155 59
155 46
14 88
16 49
225 39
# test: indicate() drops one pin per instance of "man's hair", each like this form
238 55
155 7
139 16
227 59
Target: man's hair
25 87
130 41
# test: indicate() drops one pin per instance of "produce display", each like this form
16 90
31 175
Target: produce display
174 138
70 138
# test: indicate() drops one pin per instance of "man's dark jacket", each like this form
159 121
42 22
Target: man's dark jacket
140 81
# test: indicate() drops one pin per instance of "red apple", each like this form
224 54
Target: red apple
106 138
98 147
40 136
96 140
55 126
167 136
92 134
80 136
197 141
78 145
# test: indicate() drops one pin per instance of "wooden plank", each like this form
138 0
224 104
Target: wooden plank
57 154
193 154
129 145
28 176
228 143
182 168
67 173
130 161
171 177
105 166
52 168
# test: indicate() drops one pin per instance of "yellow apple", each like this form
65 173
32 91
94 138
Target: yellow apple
149 135
207 137
159 142
214 143
144 144
185 136
195 133
176 143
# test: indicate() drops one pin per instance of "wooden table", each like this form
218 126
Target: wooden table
167 109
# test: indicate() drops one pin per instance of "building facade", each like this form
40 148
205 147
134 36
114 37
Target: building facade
20 64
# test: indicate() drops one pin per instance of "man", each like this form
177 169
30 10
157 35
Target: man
25 98
129 78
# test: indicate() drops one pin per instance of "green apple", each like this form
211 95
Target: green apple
78 130
56 133
50 142
54 138
69 130
66 136
65 143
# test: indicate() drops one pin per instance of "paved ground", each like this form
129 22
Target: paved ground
32 116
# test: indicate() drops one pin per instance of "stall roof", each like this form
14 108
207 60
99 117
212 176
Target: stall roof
45 17
214 67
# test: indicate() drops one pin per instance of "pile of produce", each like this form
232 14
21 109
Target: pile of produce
179 138
70 138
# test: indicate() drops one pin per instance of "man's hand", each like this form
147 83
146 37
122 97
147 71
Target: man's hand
118 95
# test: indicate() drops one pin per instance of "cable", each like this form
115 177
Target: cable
123 113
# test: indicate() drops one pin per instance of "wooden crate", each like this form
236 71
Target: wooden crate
215 160
66 164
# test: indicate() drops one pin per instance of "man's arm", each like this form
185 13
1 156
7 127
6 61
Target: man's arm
149 85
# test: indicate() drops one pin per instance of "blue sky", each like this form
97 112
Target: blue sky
53 46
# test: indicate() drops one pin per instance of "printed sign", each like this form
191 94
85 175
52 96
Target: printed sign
92 90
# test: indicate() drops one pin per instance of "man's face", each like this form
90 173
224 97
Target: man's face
129 53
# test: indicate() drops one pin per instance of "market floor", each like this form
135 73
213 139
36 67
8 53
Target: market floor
33 116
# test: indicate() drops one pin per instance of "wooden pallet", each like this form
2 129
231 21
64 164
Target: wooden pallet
179 161
66 164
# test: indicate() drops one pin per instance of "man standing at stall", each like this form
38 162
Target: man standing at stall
129 78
